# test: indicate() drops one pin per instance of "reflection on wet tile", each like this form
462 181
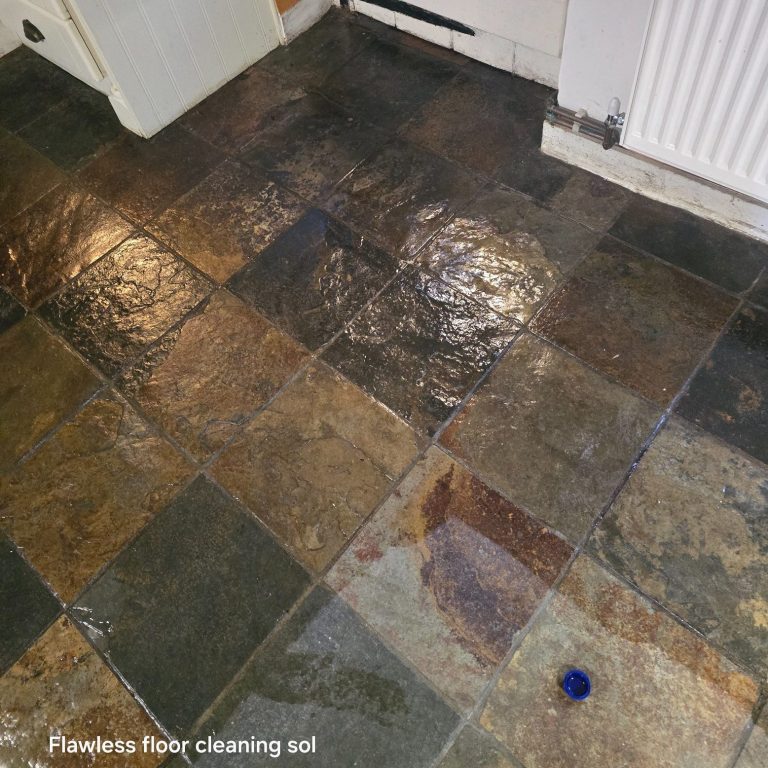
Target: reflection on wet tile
315 277
76 501
125 302
231 116
60 687
41 381
690 530
323 48
387 83
53 240
325 675
26 606
77 130
310 144
506 252
10 310
208 377
226 220
474 749
755 754
25 176
141 176
448 572
638 320
707 249
315 463
660 695
729 395
550 433
182 608
420 347
402 195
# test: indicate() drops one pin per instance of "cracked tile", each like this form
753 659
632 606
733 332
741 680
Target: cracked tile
198 591
227 220
448 572
315 277
87 491
660 695
315 463
638 320
208 377
125 302
552 434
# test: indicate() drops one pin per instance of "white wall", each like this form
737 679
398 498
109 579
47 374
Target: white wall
8 40
601 51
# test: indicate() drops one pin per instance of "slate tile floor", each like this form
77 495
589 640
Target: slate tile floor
339 410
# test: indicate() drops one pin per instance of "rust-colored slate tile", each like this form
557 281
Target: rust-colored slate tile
448 572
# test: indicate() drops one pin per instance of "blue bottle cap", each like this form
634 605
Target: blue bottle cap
577 684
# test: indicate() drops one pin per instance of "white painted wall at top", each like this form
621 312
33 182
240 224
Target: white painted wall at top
8 40
601 50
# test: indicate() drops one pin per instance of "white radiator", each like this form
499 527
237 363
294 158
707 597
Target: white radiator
700 101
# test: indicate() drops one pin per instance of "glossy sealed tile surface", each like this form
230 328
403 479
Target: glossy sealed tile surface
402 195
60 687
198 590
211 375
53 240
506 253
690 530
26 606
478 750
315 463
325 675
41 381
227 220
660 696
553 435
125 302
644 323
87 491
420 347
310 144
315 278
10 310
729 396
140 176
702 247
448 572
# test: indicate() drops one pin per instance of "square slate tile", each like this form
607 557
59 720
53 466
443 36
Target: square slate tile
310 144
759 294
183 607
231 116
690 530
60 687
479 750
41 382
227 220
506 252
26 606
419 348
755 753
141 176
402 195
709 250
319 51
206 378
325 675
729 395
638 320
87 491
125 302
75 131
448 572
10 310
386 83
660 695
315 277
552 434
314 464
54 239
25 176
